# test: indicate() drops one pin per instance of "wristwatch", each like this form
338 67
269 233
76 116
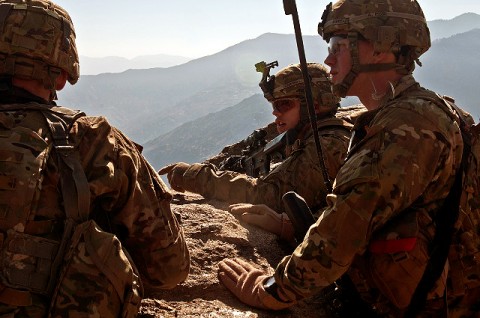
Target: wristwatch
271 287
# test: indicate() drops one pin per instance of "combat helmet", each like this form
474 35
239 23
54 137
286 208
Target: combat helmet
37 41
397 26
289 83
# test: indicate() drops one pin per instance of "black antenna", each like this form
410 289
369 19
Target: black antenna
290 8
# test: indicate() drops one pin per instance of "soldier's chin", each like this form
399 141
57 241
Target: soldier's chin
281 128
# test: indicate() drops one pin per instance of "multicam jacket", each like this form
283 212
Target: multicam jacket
379 223
299 172
128 198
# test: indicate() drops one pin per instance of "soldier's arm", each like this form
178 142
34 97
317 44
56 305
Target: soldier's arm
375 184
130 196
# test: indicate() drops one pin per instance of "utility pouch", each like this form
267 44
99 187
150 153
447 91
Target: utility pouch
26 262
97 278
398 255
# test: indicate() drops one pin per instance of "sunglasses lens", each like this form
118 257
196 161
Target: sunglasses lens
335 43
283 105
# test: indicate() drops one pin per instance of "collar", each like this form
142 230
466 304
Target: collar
405 83
12 94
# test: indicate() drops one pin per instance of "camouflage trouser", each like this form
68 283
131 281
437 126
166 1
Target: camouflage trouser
74 303
466 306
38 309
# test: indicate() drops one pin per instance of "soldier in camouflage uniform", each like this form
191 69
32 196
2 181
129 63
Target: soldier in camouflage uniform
126 196
379 229
300 171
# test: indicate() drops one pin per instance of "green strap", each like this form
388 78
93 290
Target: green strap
73 182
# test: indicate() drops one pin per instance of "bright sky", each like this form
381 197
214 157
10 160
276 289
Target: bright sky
195 28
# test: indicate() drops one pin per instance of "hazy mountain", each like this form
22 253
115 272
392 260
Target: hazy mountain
446 28
199 139
115 64
452 68
164 98
149 103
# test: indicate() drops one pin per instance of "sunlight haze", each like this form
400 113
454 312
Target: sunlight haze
193 28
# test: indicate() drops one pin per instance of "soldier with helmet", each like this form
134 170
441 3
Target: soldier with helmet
385 235
254 198
86 222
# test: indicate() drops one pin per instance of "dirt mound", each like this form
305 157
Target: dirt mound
212 235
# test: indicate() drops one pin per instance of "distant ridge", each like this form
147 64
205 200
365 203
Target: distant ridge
115 64
148 103
460 24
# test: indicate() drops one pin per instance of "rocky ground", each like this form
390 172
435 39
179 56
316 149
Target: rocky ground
214 234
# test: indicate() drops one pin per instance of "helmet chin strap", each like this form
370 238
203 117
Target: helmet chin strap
341 89
304 116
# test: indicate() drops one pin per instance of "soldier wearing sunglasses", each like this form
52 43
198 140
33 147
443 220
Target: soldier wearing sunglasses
258 201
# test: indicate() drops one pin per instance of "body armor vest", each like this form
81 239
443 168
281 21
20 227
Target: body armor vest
28 260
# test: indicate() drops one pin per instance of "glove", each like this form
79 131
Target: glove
175 173
246 283
265 218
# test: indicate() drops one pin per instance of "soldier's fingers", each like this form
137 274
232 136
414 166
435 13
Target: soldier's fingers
239 208
231 268
167 169
254 219
234 205
242 265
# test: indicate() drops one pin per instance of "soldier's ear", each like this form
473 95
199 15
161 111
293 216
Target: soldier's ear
61 81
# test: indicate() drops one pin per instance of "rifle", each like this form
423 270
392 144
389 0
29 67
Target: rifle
258 163
290 8
258 154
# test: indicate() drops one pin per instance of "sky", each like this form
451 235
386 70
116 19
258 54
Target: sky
196 28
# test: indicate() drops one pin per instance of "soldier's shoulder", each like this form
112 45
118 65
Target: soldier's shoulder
351 113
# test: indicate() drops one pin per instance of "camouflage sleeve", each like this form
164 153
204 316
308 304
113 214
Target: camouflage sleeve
134 201
300 172
391 169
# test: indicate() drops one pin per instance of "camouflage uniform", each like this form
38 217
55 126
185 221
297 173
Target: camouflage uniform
400 168
127 197
392 210
300 172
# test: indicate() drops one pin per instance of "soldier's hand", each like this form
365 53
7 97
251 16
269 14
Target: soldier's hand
247 283
175 173
264 217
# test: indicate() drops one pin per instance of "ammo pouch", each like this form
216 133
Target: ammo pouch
394 263
26 263
97 277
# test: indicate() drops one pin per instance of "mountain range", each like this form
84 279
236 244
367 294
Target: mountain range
190 111
116 64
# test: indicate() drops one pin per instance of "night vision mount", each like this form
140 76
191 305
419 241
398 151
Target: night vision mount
267 83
